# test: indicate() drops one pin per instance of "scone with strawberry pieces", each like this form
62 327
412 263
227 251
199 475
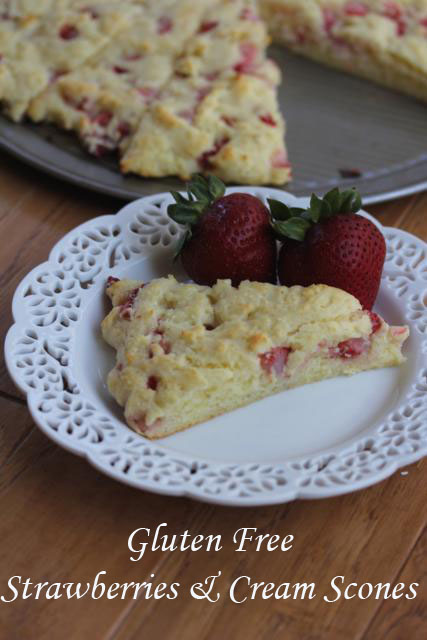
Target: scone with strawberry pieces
187 353
381 40
36 50
220 111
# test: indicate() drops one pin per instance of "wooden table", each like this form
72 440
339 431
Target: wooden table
62 521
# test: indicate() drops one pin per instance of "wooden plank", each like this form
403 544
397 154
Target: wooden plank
416 219
393 213
400 620
41 213
63 521
348 535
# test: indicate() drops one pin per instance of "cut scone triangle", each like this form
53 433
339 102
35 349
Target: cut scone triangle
187 353
382 40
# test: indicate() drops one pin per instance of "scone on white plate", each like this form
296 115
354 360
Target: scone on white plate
187 353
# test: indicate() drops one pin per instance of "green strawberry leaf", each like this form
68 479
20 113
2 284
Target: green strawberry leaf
198 186
357 202
333 198
315 208
346 201
326 211
184 214
216 187
178 197
279 210
294 228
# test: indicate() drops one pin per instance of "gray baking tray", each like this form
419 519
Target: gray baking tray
337 125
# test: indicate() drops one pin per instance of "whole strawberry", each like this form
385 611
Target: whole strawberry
331 244
227 237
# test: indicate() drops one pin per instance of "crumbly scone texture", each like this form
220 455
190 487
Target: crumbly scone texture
189 79
187 353
381 40
177 86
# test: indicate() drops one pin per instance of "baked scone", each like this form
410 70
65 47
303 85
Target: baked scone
185 87
37 49
220 111
381 40
104 99
187 353
231 127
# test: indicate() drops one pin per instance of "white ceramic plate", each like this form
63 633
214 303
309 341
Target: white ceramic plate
316 441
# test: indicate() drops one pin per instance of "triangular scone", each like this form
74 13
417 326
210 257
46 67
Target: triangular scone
220 112
187 353
382 40
104 99
37 49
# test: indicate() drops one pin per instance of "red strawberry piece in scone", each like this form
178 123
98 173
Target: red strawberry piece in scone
331 244
356 9
227 236
275 360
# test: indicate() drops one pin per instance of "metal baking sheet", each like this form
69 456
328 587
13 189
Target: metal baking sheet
335 122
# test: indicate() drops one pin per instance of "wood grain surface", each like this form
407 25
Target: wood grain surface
62 521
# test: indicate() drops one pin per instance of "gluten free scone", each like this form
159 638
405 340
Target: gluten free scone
175 86
187 353
185 87
381 40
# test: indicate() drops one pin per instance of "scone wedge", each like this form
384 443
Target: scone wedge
382 40
187 353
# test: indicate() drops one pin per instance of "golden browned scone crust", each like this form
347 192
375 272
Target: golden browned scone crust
186 353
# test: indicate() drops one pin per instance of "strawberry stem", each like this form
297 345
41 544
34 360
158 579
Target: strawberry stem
294 222
202 192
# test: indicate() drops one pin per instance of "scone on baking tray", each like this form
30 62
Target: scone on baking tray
42 41
187 353
173 86
382 40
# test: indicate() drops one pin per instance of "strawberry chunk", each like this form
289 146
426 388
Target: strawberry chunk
205 160
139 423
248 14
164 25
118 69
356 9
376 321
350 348
275 360
103 118
148 93
111 280
165 344
68 32
126 307
329 20
247 62
123 129
394 12
101 150
152 383
268 119
280 160
208 26
132 57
